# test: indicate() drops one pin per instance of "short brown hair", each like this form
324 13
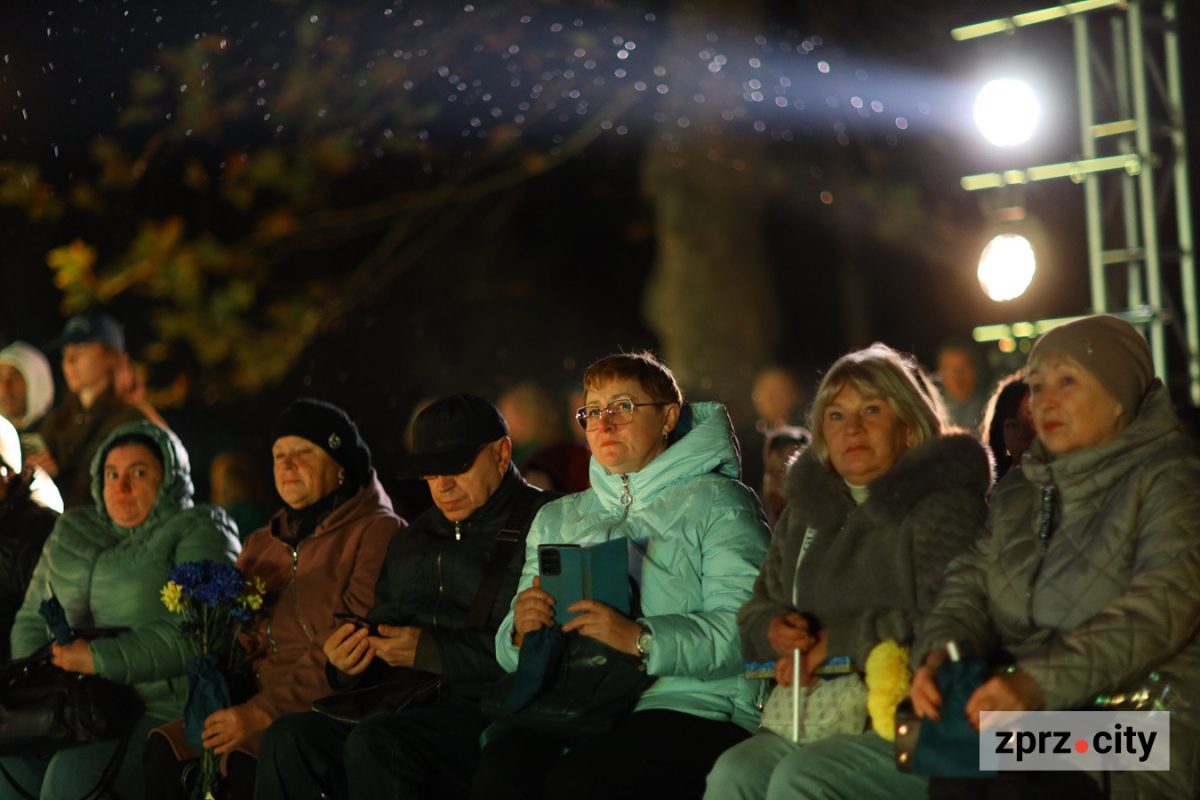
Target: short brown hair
641 366
880 371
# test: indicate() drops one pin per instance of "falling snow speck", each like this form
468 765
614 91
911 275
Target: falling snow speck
901 123
823 67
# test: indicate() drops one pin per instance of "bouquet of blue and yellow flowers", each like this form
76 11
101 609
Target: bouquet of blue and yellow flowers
216 601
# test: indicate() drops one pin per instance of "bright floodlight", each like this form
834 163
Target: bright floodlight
1006 112
1006 266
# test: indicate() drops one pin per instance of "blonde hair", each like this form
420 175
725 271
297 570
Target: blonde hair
880 371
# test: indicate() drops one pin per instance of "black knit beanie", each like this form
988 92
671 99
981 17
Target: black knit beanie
331 429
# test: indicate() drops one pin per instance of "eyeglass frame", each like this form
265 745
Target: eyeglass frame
607 411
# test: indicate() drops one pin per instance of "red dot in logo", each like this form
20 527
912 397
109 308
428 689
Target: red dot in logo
1081 746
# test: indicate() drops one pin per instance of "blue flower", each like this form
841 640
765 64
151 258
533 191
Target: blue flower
241 614
189 575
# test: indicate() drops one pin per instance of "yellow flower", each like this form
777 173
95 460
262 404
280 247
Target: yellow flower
888 678
172 597
252 593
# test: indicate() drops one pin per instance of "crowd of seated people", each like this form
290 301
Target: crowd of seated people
1058 544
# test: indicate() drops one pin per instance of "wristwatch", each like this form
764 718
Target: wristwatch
644 640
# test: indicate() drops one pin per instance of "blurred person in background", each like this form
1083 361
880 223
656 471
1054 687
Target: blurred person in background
237 487
779 397
782 444
547 457
26 386
24 525
93 349
964 386
1007 425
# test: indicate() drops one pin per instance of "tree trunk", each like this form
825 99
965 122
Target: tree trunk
709 297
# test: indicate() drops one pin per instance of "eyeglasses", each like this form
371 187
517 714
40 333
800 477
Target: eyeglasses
619 412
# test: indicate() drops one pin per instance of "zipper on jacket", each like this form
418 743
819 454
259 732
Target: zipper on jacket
1048 498
441 586
296 593
457 533
626 502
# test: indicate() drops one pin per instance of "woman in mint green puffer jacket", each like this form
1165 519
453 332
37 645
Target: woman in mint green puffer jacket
664 479
106 575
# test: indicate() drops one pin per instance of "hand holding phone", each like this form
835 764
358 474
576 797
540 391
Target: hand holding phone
349 652
358 621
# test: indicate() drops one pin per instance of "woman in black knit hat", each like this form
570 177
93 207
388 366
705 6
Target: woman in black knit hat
319 555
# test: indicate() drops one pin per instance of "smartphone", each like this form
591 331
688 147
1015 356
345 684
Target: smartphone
361 622
570 573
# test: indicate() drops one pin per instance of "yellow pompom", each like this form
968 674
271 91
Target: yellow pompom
888 678
172 597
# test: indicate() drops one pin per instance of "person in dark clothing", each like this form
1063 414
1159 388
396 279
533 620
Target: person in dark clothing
24 526
93 348
427 588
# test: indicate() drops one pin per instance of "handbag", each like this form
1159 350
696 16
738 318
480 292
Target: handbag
949 747
44 709
567 685
831 707
410 688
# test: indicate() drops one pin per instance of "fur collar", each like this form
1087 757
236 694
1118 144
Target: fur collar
953 461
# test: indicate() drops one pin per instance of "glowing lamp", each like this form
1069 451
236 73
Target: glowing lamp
1006 111
1006 266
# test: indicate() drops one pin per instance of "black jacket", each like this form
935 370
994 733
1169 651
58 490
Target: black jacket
429 580
24 526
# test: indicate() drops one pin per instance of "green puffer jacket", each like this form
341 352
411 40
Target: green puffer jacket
107 576
1100 587
704 538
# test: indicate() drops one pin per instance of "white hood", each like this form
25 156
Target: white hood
39 382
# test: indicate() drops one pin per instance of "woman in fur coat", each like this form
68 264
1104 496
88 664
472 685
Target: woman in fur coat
877 507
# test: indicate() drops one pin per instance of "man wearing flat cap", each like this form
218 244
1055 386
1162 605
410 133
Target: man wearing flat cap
446 584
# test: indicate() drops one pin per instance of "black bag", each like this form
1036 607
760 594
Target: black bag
44 709
408 689
567 685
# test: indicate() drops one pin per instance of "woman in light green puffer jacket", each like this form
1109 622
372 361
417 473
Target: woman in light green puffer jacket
108 575
664 479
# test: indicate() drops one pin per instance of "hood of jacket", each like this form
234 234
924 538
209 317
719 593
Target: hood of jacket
39 383
175 493
703 442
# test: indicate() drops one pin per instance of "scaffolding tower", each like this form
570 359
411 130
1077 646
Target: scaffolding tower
1138 84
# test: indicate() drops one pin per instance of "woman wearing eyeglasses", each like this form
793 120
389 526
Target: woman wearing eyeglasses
664 478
